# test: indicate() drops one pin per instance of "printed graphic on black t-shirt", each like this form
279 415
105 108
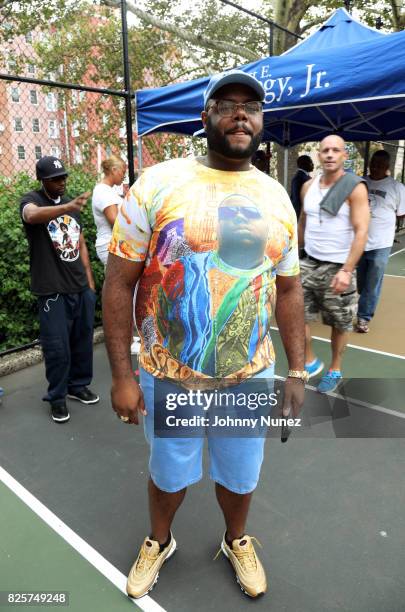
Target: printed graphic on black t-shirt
65 234
55 262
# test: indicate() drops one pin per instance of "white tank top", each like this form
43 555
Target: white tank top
326 237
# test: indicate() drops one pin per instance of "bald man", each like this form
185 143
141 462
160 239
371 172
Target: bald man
334 242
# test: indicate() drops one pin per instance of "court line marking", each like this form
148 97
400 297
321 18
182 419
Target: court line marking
355 401
394 275
106 568
355 346
396 252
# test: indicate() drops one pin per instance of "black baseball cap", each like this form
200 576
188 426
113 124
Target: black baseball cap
49 167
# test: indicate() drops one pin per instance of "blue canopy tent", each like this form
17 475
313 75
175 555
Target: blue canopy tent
328 83
340 28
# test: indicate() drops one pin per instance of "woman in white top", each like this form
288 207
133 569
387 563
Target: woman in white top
105 203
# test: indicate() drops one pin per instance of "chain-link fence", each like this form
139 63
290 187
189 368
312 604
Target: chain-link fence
67 78
80 127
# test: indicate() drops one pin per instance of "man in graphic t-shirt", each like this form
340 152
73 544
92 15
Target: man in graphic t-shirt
387 202
62 279
210 239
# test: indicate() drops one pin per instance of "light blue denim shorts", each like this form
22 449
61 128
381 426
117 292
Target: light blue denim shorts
176 463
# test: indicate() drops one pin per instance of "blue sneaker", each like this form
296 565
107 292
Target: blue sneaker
329 381
314 367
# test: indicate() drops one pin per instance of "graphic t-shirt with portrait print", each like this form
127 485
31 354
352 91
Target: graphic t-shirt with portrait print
213 242
56 266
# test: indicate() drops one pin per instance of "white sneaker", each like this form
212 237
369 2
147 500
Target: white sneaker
135 346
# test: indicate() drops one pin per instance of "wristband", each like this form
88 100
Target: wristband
347 271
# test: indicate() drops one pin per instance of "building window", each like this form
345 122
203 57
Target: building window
75 129
51 102
28 37
18 125
35 125
78 155
55 151
74 99
33 96
31 68
52 128
21 152
12 66
15 94
38 152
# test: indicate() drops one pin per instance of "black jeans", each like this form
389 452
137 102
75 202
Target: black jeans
66 333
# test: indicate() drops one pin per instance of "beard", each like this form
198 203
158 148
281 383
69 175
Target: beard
219 143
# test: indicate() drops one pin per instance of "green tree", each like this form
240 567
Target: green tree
18 307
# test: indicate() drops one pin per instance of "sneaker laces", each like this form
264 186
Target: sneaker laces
333 374
247 558
146 559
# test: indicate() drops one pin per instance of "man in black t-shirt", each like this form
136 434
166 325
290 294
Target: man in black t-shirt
62 279
305 165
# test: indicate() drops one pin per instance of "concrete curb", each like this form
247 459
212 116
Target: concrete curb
24 359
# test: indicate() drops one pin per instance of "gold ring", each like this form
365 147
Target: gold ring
124 419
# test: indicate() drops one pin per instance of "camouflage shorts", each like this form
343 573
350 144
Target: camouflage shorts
337 310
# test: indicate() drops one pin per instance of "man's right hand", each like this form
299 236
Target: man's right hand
78 203
127 399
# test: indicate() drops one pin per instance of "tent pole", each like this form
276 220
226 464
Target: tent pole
366 156
140 160
285 166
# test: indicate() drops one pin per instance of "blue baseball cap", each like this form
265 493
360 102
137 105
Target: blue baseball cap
233 76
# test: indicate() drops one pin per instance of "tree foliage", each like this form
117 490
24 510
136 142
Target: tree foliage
18 307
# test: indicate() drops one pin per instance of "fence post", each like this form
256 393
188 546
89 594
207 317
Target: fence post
128 96
140 158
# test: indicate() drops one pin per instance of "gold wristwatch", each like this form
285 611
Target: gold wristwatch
301 374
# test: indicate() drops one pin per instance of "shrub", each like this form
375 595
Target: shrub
18 306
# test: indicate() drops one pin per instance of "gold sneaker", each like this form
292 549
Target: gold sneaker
249 571
145 571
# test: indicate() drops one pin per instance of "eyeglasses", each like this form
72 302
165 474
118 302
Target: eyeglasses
227 213
227 108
